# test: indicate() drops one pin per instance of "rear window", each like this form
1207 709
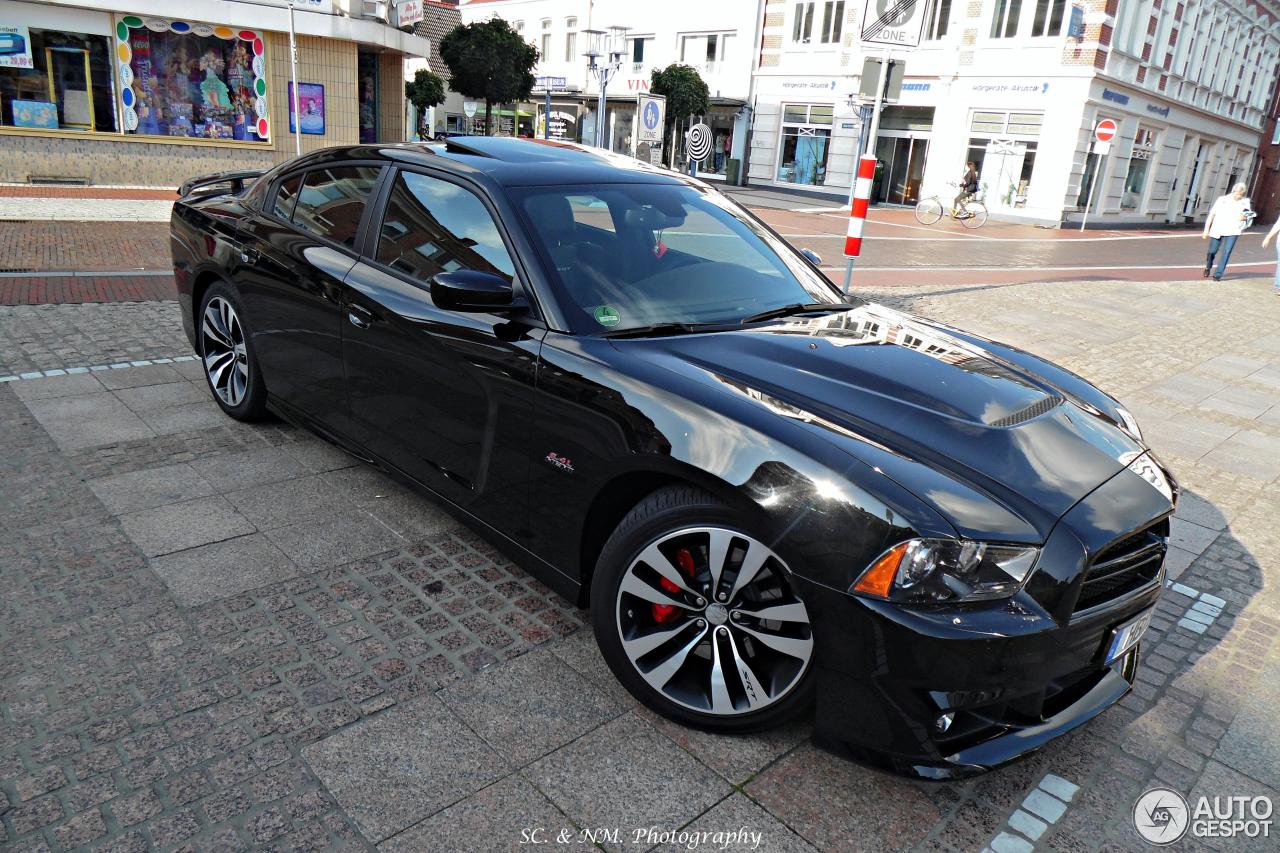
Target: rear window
332 201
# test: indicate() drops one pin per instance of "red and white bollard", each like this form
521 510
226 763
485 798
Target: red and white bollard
858 213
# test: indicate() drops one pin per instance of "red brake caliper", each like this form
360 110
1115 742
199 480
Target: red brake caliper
667 612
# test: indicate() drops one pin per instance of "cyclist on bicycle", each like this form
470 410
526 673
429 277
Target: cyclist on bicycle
968 186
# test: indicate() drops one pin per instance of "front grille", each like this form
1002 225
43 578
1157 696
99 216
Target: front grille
1124 566
1035 410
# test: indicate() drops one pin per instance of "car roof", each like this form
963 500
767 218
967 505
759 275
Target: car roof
510 162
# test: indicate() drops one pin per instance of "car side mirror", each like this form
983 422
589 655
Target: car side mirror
812 256
473 291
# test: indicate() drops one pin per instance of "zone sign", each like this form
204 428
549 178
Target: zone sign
896 23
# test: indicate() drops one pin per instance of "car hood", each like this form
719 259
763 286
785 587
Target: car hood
907 386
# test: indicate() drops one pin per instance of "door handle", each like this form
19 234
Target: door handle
359 317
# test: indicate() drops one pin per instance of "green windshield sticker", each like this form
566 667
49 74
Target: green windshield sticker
606 316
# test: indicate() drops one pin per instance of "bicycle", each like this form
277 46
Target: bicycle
972 213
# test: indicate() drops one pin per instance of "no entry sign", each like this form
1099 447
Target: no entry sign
1105 130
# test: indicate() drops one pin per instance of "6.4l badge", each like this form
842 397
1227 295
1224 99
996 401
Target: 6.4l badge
561 462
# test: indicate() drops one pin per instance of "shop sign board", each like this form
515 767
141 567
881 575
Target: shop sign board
895 23
408 12
469 107
15 46
548 82
652 112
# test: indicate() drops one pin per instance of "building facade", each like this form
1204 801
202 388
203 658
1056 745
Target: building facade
1017 86
717 39
122 92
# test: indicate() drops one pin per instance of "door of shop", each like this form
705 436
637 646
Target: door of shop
902 160
1192 201
1003 164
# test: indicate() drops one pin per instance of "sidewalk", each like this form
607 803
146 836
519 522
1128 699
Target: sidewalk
52 203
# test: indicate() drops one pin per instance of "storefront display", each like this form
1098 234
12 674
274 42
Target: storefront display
192 79
55 80
367 79
806 142
1135 179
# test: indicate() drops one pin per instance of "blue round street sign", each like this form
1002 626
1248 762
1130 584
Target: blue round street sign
651 115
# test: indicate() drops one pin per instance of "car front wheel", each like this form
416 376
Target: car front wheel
698 618
227 354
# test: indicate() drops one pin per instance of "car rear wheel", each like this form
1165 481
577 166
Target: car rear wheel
227 355
699 619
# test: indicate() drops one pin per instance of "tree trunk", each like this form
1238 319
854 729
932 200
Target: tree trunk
488 117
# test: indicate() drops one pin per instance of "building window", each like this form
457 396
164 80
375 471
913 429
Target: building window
802 26
806 141
1003 145
546 38
1135 180
192 79
1004 18
570 38
637 51
939 18
1275 134
832 21
518 26
57 81
1048 18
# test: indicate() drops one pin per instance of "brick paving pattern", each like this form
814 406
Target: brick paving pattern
382 676
63 290
27 246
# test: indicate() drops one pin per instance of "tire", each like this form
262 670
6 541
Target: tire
226 351
928 211
977 215
668 656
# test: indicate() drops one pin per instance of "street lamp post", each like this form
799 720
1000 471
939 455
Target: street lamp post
604 59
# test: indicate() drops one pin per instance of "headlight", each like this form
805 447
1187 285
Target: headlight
923 571
1129 423
1145 467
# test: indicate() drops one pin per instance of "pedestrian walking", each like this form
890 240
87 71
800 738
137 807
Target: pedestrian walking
968 186
1271 235
1228 218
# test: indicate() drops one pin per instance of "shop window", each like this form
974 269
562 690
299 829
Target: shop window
1004 18
570 38
1047 20
332 201
1135 179
432 226
802 23
988 122
194 80
806 141
1025 123
57 81
367 77
832 21
939 18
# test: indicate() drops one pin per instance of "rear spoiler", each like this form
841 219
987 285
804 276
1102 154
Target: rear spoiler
234 179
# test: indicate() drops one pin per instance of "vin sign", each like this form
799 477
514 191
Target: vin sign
896 23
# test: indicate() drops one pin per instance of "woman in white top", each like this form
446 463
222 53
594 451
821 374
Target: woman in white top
1271 235
1227 220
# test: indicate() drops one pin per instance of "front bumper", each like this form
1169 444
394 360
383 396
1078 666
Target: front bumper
944 692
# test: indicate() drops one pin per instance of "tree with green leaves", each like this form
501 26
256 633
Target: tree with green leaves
686 93
424 91
489 61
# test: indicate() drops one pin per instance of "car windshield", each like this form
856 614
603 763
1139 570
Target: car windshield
631 256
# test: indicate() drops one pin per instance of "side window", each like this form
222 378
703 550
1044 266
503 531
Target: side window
332 200
286 196
433 226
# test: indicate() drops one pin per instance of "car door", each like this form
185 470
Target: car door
444 396
294 256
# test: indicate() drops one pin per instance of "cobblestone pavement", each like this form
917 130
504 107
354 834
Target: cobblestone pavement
218 636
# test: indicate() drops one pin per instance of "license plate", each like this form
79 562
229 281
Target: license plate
1127 635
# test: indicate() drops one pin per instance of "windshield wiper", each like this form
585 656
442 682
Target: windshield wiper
662 329
797 308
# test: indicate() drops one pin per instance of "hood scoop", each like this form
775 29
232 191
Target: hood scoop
1031 412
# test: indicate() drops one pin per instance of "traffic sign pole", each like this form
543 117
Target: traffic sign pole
860 190
1103 132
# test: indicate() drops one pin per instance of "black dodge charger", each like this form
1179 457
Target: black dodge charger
775 499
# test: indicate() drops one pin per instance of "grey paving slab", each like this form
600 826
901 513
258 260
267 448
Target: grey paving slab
737 824
1248 452
362 484
134 377
1241 402
57 386
222 569
393 770
184 418
530 706
90 420
176 527
626 774
1218 780
495 818
150 487
409 514
319 456
1197 510
1268 377
1188 387
146 398
1232 366
1190 537
331 542
258 466
581 652
303 499
191 370
735 757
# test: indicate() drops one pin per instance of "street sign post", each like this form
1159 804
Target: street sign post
546 84
1103 132
896 23
652 111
